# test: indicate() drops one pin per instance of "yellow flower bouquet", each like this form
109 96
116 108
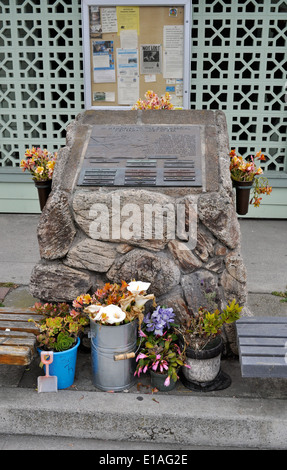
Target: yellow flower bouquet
152 101
40 163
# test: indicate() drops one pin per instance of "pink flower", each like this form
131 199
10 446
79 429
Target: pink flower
167 381
140 356
138 371
155 365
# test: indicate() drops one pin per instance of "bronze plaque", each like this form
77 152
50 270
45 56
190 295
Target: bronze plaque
143 155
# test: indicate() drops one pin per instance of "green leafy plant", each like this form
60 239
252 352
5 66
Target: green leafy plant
60 326
159 349
202 327
161 354
281 294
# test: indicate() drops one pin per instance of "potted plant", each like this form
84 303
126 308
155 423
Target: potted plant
116 312
60 329
200 333
246 177
41 165
160 354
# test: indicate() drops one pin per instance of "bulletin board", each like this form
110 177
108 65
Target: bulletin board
132 48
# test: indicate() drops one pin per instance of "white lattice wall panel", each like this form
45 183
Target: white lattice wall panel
239 65
41 78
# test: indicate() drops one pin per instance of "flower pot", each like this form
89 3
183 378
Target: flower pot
204 373
242 189
44 189
107 342
64 366
157 381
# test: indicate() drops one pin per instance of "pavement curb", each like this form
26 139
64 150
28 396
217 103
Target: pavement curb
195 421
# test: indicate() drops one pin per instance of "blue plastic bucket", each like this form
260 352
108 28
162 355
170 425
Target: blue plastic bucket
64 366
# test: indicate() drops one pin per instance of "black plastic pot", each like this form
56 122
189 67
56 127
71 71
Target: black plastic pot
157 381
44 189
212 349
242 196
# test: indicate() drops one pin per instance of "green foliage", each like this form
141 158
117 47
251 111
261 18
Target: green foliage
161 354
59 327
204 325
281 294
64 342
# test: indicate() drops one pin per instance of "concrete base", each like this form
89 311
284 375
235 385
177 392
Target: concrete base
198 421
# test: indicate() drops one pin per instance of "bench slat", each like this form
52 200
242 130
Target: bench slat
18 317
16 334
263 351
26 311
22 341
263 367
261 341
17 356
262 320
29 327
266 330
18 345
262 345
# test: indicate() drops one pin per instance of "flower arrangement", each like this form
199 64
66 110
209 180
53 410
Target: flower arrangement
152 101
40 163
60 326
202 327
162 318
242 170
159 350
115 304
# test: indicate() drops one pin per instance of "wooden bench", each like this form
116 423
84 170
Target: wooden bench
262 346
17 336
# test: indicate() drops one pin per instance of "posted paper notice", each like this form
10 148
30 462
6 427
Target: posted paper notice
128 18
173 51
127 76
103 62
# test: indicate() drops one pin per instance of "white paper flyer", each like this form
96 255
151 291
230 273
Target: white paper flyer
151 58
103 62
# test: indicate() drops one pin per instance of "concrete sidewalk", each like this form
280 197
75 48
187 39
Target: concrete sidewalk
251 413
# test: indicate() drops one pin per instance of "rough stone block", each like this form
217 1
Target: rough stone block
54 282
93 255
161 272
56 229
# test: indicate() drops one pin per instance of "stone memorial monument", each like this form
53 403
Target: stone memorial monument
143 195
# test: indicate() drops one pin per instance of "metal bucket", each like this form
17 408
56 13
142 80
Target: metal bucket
107 342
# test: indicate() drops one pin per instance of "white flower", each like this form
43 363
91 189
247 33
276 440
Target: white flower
110 314
135 287
93 308
140 300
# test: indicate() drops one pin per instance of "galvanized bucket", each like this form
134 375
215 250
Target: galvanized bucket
113 351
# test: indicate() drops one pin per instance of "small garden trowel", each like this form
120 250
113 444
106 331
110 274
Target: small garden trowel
48 383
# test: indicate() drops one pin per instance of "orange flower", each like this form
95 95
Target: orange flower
257 201
268 189
260 156
240 170
87 299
